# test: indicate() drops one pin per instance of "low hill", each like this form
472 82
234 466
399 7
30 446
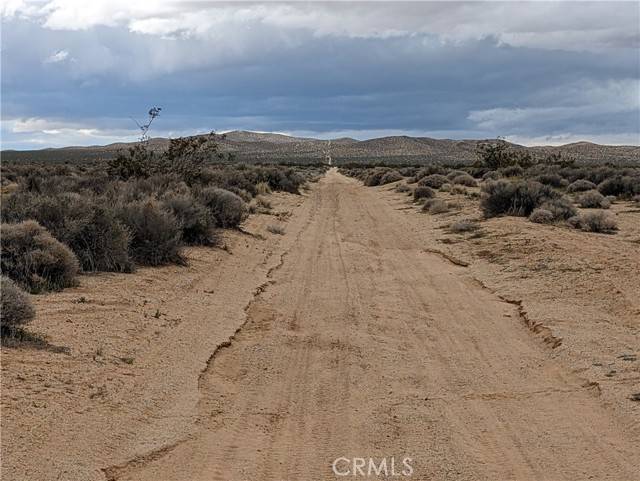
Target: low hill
268 147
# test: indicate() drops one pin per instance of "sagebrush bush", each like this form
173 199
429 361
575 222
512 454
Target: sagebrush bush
593 199
391 176
542 216
34 259
465 179
435 181
402 188
597 221
517 198
156 236
511 171
196 222
423 192
455 173
464 225
560 207
581 185
16 306
227 208
491 175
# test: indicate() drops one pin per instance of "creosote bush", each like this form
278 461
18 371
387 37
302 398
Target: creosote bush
17 308
35 260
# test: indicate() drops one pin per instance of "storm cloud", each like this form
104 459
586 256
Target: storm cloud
75 72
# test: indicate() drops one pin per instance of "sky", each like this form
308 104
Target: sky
75 72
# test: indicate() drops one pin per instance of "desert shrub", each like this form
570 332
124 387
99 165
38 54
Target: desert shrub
196 222
636 199
408 171
554 180
402 188
464 225
263 188
88 226
514 198
581 185
465 179
34 259
423 192
620 186
391 176
455 173
374 177
593 199
446 187
458 189
598 221
17 308
512 171
491 175
429 170
435 181
542 216
435 206
156 237
560 207
275 229
227 208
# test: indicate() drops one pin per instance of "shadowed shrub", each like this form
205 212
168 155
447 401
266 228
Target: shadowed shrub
228 209
391 176
17 308
491 175
422 192
156 237
620 186
34 259
554 180
512 171
581 185
593 199
514 198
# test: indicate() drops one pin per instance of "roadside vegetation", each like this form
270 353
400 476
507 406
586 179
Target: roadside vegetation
510 182
139 209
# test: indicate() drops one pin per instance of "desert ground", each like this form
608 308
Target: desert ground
367 329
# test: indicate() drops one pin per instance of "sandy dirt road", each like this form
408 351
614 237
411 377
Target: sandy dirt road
365 344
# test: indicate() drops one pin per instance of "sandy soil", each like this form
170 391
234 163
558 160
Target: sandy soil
350 337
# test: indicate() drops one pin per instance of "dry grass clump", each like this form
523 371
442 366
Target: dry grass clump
17 308
598 221
593 199
275 229
542 216
464 225
422 192
34 259
435 206
402 188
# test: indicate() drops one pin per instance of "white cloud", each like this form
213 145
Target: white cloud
550 25
57 57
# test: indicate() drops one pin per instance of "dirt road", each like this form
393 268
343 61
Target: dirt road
367 345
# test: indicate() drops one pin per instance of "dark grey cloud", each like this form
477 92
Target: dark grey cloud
322 69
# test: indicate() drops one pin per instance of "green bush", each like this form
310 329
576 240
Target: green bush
34 259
